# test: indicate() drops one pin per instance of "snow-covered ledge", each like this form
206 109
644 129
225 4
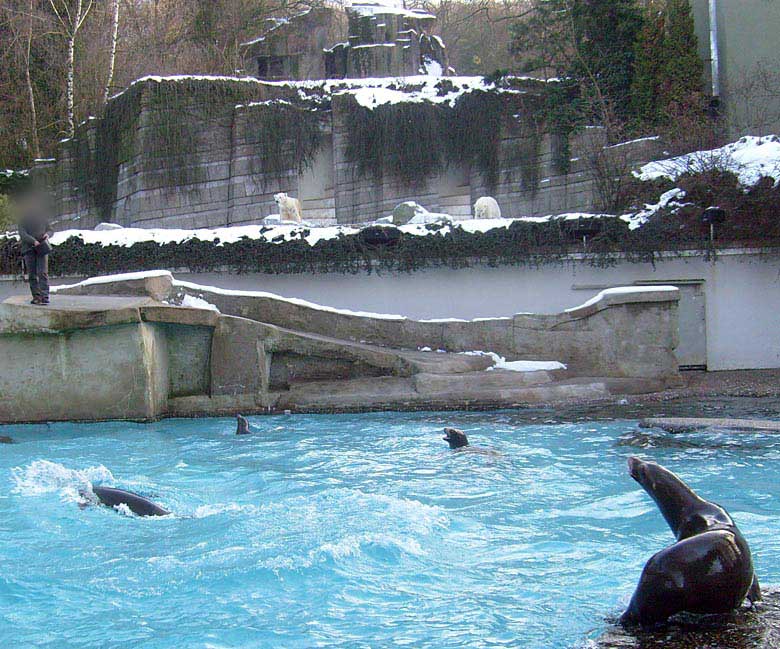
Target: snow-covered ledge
624 332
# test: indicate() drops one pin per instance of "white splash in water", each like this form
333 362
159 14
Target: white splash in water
122 508
43 476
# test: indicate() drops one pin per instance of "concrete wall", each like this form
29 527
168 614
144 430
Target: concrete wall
123 369
749 61
737 284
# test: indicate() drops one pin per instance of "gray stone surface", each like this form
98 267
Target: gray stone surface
228 186
686 424
103 372
747 628
65 313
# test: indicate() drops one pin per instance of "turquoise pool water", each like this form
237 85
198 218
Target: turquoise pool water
349 530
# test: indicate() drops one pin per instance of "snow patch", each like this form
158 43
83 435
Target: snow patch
750 158
622 290
107 279
667 199
198 303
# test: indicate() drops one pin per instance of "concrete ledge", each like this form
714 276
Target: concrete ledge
688 424
155 284
623 332
64 313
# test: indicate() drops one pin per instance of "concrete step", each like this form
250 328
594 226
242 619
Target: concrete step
426 383
402 393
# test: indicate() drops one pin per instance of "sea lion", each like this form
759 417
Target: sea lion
4 439
456 438
708 570
242 427
137 504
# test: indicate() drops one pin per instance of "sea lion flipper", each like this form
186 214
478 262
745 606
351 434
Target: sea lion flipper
754 594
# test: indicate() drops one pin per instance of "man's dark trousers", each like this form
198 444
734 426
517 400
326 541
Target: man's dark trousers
38 273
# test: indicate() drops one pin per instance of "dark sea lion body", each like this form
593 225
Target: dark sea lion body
4 439
708 570
137 504
242 426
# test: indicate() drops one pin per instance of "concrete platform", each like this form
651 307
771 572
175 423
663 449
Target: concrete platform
688 424
68 312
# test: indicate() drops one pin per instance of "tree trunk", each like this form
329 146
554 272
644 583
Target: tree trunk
112 57
71 35
36 147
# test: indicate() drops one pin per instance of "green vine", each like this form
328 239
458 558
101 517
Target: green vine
287 136
412 141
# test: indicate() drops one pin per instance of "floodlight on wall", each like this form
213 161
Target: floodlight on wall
583 228
713 216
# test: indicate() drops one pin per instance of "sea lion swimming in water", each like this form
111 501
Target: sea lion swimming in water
455 438
708 570
4 439
242 426
112 497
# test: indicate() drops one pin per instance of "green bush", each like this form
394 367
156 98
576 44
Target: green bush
519 244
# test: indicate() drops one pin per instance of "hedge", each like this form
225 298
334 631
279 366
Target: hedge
519 244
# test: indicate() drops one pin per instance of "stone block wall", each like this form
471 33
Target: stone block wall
220 180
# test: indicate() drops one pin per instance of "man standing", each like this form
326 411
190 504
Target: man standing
34 235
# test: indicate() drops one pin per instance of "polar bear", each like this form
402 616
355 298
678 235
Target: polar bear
289 207
487 207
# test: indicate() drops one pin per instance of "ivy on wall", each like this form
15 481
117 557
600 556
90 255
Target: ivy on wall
179 112
287 136
412 141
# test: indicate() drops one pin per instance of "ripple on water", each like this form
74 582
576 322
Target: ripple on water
348 531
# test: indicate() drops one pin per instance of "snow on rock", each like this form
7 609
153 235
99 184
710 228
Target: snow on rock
500 363
278 233
371 93
121 277
197 303
750 158
386 8
622 290
668 199
200 288
432 68
567 216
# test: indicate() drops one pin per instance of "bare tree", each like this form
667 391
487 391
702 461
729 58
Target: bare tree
36 147
112 52
70 20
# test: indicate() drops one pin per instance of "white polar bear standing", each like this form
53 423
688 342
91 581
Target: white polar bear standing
289 207
487 207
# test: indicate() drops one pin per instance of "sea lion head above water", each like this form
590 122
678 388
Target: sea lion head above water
456 438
